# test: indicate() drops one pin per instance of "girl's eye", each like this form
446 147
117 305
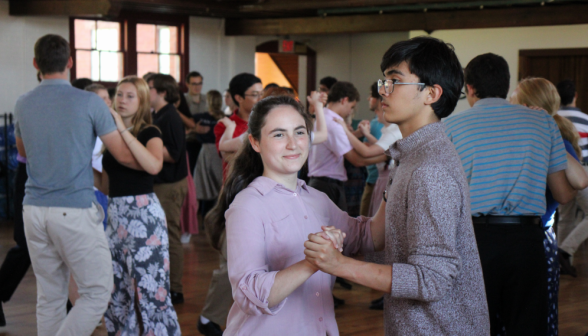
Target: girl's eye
278 135
301 133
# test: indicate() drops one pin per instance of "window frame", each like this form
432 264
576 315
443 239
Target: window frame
128 40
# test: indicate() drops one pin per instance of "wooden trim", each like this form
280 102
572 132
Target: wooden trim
59 7
553 52
72 47
310 71
428 21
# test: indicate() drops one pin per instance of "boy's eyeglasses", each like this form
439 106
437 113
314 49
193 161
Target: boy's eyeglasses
388 85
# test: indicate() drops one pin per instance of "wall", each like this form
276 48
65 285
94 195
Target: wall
17 39
216 56
507 42
349 57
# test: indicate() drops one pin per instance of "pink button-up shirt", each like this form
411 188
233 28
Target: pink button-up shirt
326 159
267 225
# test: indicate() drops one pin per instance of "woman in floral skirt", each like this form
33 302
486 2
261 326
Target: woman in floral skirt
137 230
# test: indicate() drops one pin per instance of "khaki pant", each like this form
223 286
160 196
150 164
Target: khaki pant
220 297
171 196
366 199
60 241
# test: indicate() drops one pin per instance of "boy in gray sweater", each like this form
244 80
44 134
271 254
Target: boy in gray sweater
432 274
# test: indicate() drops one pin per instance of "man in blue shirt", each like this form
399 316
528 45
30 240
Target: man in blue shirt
56 129
510 154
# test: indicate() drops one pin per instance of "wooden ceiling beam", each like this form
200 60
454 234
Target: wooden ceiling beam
278 5
60 7
428 21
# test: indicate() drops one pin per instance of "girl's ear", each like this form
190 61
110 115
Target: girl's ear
254 143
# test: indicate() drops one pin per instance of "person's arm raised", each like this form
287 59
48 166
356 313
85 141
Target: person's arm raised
320 133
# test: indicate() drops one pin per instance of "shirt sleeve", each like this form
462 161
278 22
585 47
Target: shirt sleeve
100 114
388 138
219 129
338 141
358 230
557 157
249 274
433 263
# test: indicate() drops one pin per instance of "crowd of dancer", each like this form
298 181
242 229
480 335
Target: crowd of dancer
453 214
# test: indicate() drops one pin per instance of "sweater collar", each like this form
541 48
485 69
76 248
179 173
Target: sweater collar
416 140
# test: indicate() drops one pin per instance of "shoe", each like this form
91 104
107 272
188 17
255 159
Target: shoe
343 283
209 329
177 298
2 318
564 263
338 302
377 304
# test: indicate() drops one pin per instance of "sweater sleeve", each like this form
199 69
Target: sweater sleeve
433 263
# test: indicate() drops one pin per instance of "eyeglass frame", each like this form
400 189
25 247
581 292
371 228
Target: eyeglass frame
382 83
256 95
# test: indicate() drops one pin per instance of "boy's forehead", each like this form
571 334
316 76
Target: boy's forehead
401 69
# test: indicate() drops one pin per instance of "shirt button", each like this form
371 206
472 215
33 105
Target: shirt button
317 294
244 287
305 217
321 319
295 194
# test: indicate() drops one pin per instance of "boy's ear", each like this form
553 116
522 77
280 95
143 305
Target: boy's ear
434 94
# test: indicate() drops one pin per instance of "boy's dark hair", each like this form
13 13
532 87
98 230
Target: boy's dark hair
52 54
193 74
341 90
328 82
241 83
374 91
95 87
167 84
489 75
567 91
433 62
81 83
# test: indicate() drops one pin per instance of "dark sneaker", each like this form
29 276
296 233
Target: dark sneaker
209 329
377 304
2 319
177 298
564 263
338 302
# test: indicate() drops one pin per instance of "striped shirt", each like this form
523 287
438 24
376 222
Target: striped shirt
580 121
506 151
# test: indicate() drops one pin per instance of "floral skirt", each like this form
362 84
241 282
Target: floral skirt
138 241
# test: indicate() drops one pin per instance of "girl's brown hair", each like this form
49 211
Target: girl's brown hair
540 92
142 118
215 104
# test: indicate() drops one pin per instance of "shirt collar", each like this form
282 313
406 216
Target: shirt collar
331 113
491 102
264 185
413 142
55 82
569 108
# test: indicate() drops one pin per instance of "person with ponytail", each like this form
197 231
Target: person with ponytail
137 229
539 93
269 214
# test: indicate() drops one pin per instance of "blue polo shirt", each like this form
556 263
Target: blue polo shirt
58 125
507 151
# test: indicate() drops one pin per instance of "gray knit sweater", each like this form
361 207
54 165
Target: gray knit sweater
437 282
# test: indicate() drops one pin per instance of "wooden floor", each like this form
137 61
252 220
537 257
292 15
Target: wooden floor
353 318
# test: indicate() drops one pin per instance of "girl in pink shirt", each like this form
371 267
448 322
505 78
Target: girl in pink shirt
270 215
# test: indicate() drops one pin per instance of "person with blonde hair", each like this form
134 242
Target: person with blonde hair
137 230
541 93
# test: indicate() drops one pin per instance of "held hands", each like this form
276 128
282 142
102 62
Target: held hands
365 127
317 98
323 249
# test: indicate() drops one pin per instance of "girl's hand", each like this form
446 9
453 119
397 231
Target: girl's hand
120 125
228 122
314 98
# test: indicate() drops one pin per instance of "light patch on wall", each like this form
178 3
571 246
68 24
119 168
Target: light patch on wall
267 70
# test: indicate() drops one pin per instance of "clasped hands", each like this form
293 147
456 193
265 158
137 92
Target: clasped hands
323 249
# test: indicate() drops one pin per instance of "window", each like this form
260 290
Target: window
106 51
157 50
98 50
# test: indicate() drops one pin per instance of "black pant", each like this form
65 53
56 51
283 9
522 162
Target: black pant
17 260
515 276
333 188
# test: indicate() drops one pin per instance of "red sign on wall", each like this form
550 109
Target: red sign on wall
287 46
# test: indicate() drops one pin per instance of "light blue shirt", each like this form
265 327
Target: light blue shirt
507 151
376 131
58 125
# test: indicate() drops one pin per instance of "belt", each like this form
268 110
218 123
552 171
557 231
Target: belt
327 179
508 220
